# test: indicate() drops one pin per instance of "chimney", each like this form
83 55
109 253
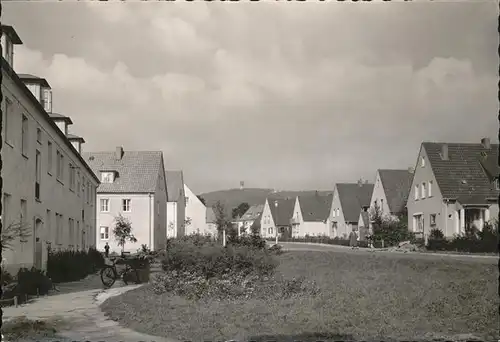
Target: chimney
486 143
444 152
119 153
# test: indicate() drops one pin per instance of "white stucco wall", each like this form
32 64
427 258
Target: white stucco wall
160 211
141 216
18 174
343 228
266 224
378 195
196 211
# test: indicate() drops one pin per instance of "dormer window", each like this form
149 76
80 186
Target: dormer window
497 184
47 99
107 177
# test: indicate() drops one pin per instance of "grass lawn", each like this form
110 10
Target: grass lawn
364 296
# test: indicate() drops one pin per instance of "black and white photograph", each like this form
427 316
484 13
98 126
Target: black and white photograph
249 171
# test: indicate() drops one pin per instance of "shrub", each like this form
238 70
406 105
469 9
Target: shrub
33 282
65 266
7 278
251 241
436 234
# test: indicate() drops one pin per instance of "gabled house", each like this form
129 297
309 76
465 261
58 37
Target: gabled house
245 222
176 204
48 188
132 185
364 223
311 215
349 199
390 191
196 213
455 187
276 216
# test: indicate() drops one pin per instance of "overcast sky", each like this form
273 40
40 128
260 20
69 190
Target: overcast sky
282 95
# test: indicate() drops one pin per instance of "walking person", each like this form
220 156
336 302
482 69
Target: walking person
106 250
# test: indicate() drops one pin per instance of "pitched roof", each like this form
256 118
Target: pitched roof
210 215
57 116
353 197
34 101
463 175
315 208
137 171
396 184
30 77
75 137
252 213
175 185
14 37
283 212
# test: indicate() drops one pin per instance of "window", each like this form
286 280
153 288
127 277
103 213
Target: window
270 230
422 162
497 184
104 205
39 135
423 191
38 174
418 223
186 200
104 233
71 232
58 228
381 204
49 158
88 192
429 190
47 100
6 211
78 189
24 133
106 177
23 216
7 121
48 225
83 188
432 220
126 205
338 212
416 192
71 177
60 166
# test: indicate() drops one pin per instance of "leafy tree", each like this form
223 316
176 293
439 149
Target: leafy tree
221 220
202 200
387 229
123 231
240 210
13 232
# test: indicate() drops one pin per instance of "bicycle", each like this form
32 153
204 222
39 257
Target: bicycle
109 273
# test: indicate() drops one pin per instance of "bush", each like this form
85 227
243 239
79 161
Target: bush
33 282
7 278
251 241
485 241
436 234
66 266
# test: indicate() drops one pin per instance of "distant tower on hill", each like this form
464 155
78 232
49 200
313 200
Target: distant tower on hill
242 185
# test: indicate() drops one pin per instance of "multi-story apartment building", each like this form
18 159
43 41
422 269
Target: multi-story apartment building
133 185
48 188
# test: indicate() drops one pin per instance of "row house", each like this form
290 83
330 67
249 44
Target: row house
48 188
455 187
275 217
196 214
311 215
176 204
349 199
246 221
133 185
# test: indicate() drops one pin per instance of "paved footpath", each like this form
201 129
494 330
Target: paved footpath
81 309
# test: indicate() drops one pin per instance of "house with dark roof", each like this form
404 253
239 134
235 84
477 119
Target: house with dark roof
47 186
390 191
176 204
275 217
245 222
311 215
211 223
455 187
132 185
349 199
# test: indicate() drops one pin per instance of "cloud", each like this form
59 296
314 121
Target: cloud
286 95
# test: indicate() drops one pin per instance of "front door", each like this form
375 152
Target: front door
38 244
334 230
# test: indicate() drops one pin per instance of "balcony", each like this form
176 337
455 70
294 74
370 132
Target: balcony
294 221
